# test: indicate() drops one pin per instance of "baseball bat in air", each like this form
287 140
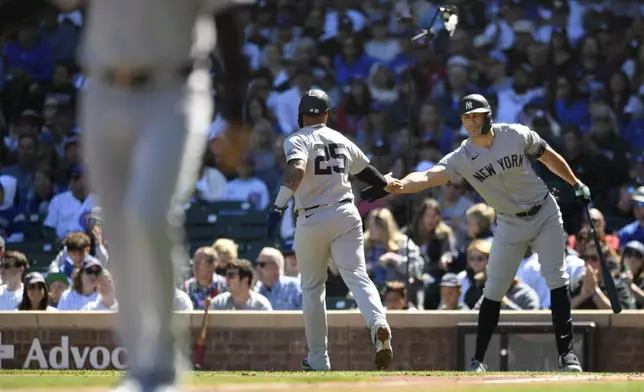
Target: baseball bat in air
606 275
200 346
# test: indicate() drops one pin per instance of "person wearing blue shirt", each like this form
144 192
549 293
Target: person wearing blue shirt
352 63
634 231
29 55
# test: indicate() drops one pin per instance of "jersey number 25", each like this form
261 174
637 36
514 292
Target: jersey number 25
332 151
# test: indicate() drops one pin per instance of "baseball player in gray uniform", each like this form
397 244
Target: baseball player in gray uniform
328 225
495 160
145 117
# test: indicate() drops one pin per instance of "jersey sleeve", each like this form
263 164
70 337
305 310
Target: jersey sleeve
451 164
534 144
295 148
359 161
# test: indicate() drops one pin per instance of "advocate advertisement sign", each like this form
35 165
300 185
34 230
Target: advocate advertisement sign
66 356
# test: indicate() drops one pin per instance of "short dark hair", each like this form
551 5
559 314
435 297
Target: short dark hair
77 240
17 257
245 269
396 287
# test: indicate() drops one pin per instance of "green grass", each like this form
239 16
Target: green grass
21 379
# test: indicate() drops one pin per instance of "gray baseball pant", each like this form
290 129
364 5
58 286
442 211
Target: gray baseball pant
333 232
143 150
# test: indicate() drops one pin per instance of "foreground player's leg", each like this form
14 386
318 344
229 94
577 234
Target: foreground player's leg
501 270
550 247
312 251
348 252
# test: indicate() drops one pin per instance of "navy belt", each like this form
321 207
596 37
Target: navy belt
532 211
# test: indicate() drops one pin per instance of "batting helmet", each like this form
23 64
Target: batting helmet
313 103
476 103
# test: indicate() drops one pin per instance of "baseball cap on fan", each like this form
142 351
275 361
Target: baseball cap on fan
638 196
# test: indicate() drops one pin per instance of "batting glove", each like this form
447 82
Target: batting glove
273 219
583 193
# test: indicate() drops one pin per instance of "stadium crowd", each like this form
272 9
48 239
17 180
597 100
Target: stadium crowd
571 70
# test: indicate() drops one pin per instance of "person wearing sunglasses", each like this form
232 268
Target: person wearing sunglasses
84 286
634 231
240 296
477 256
12 266
35 295
633 259
589 291
283 292
106 300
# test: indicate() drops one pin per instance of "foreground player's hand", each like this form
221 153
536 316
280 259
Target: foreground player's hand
582 192
393 185
272 220
230 147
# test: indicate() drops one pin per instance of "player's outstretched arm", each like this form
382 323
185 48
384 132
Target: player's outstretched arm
558 165
419 181
380 186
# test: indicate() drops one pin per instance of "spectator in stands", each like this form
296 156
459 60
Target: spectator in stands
38 202
13 265
61 86
227 251
381 47
567 104
25 168
395 294
389 254
66 209
239 279
480 220
454 204
529 272
62 38
290 261
205 282
35 296
520 296
247 187
182 301
106 300
84 286
610 240
589 291
431 127
286 103
12 216
634 231
477 257
451 292
76 249
434 237
57 284
633 258
29 56
212 186
283 292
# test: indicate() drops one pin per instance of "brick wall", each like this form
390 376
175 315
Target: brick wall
276 341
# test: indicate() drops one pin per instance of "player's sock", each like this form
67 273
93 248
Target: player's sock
488 319
562 318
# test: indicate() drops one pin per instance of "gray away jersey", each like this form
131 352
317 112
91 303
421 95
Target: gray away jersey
330 158
501 174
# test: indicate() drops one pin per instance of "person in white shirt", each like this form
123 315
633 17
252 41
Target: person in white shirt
84 286
67 209
12 266
35 296
182 301
247 187
382 47
106 300
529 272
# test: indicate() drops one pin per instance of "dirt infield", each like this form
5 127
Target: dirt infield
403 383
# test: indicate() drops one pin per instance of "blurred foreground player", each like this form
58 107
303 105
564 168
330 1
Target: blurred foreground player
145 118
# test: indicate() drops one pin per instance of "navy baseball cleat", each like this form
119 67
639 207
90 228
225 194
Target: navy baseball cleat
476 366
569 363
306 367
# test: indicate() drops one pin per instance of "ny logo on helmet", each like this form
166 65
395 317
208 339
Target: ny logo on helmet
468 105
